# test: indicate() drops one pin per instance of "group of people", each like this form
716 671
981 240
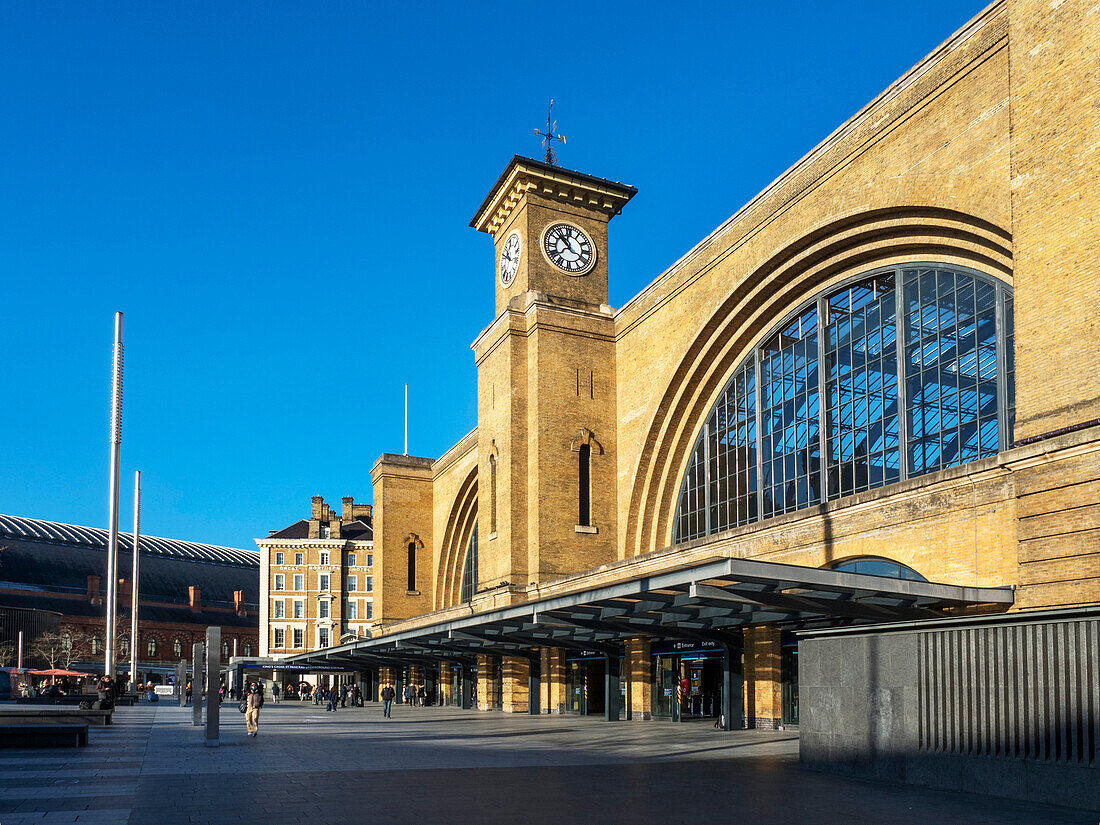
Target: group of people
414 695
337 696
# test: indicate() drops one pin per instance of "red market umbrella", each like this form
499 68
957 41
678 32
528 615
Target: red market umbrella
56 671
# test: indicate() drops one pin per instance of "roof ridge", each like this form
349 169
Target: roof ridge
57 532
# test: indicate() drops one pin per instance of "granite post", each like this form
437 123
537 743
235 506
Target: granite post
196 683
213 681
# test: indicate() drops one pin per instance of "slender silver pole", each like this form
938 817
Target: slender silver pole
112 506
406 419
134 583
19 656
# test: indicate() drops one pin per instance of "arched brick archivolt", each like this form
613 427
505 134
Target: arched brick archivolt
835 251
461 522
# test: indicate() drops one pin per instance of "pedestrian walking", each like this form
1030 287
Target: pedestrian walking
276 692
252 706
343 696
317 695
388 694
188 691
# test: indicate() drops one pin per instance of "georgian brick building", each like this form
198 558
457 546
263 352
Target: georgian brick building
185 588
317 580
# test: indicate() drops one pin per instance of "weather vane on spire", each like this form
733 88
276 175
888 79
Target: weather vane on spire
548 137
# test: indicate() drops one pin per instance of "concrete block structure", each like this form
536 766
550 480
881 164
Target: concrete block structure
870 396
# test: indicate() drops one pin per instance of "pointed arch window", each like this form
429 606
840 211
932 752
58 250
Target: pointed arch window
899 372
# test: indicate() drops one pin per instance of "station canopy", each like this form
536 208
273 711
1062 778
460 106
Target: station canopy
708 601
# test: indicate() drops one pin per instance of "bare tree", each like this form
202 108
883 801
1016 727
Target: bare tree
56 649
7 654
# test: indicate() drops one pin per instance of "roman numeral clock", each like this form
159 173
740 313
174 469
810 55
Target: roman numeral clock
549 225
568 248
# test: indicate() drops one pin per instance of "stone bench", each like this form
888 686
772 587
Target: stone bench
51 713
43 735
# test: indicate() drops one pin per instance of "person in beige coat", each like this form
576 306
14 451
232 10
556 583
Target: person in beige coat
253 703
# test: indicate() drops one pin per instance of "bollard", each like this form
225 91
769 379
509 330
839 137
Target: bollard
213 670
196 683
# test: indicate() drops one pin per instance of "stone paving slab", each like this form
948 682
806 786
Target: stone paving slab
443 765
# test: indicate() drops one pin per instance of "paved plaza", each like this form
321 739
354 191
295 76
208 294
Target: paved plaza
442 765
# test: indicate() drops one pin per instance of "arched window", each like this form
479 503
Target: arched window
124 646
835 401
412 565
469 569
225 650
177 648
151 647
97 645
248 648
584 485
878 566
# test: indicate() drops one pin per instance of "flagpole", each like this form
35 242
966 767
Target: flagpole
406 419
112 506
134 583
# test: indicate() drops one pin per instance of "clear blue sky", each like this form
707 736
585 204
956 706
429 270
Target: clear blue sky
277 195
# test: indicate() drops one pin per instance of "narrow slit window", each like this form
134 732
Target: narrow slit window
584 478
492 494
412 565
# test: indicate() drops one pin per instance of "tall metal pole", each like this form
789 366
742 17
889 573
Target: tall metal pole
134 581
406 419
19 656
112 506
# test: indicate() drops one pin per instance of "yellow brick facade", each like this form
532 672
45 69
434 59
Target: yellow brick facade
983 156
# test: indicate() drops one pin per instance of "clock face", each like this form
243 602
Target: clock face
568 248
509 259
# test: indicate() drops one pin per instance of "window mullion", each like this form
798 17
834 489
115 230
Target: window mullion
706 476
899 341
759 436
822 398
1002 366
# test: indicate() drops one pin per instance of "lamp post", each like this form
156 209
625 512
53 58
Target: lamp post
134 583
112 506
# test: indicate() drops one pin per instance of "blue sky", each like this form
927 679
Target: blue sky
277 195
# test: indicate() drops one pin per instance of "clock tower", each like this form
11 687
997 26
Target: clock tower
546 380
549 227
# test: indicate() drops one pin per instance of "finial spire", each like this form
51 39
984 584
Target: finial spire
548 137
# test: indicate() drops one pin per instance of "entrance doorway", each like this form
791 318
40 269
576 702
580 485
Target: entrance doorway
584 684
687 680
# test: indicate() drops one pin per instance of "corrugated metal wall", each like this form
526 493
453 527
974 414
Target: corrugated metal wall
1018 691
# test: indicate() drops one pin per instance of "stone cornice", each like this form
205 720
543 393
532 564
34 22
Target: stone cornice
523 175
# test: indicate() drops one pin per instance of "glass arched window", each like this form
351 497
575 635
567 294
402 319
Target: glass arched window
177 648
834 402
469 569
97 645
124 646
225 650
248 648
151 647
877 566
